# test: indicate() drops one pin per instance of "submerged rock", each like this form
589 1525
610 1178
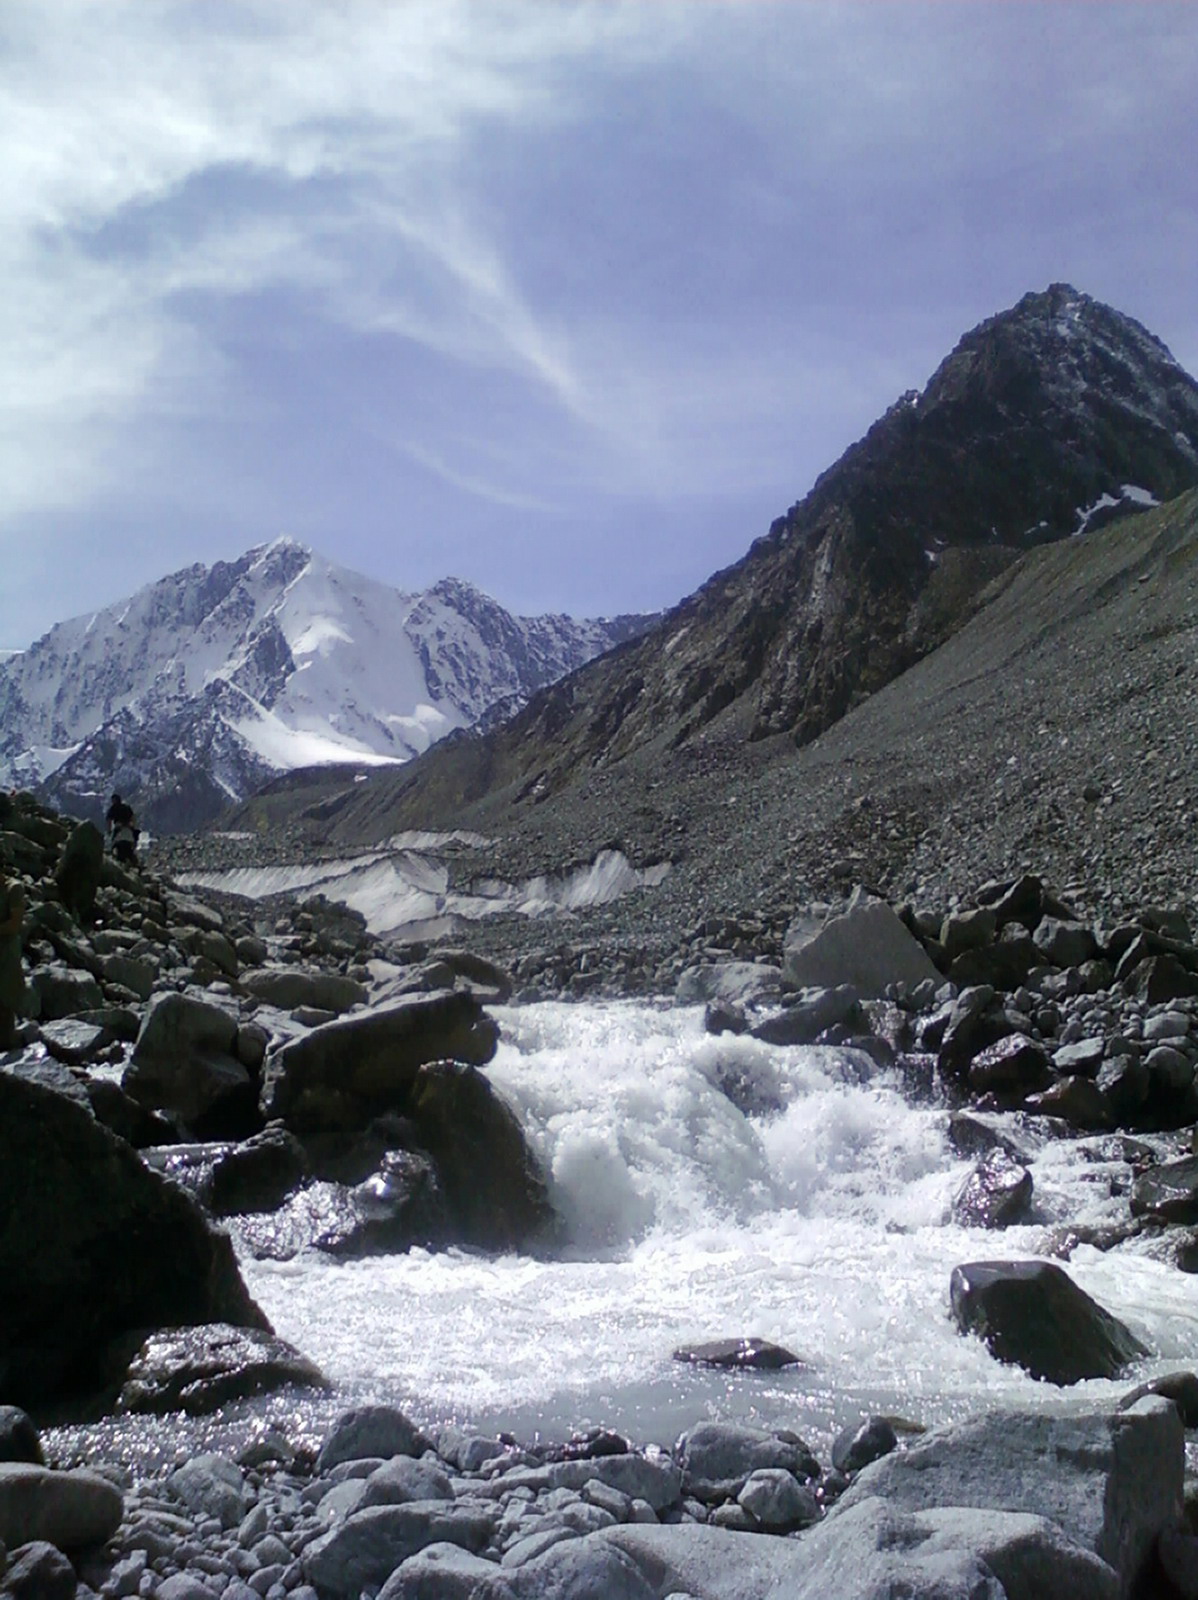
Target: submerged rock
758 1354
1032 1314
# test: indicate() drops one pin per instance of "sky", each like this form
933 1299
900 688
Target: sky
568 300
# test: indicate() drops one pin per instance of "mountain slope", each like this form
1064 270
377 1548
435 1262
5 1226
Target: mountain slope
1044 421
208 682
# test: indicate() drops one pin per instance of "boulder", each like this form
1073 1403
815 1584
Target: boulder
1011 1067
56 991
38 1571
72 1041
493 1185
343 1073
973 1023
211 1485
368 1545
131 972
403 1479
67 1509
1160 979
717 1457
79 870
1168 1192
290 987
854 1448
258 1174
1109 1480
183 1062
802 1021
868 947
967 930
1032 1314
759 1355
198 1370
369 1431
734 983
100 1246
489 981
777 1501
996 1193
1064 944
1077 1101
18 1437
1082 1059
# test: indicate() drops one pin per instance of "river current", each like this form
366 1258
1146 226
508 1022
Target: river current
823 1224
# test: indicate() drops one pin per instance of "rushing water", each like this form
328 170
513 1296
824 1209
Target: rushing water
824 1226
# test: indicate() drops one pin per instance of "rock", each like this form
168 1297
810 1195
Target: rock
1012 1067
211 1486
368 1545
67 1509
73 1199
867 947
57 991
717 1457
1159 980
258 1174
1076 1101
39 1571
1110 1480
1064 944
79 871
18 1437
804 1020
131 972
732 983
1170 1071
402 1479
1179 1387
128 1120
757 1354
854 1448
493 1185
344 1073
72 1041
290 987
183 1062
490 982
198 1370
447 1572
777 1502
720 1017
968 930
971 1026
1022 902
1168 1192
1032 1314
996 1193
366 1431
1082 1059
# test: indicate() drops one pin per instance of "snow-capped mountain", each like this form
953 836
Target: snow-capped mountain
205 684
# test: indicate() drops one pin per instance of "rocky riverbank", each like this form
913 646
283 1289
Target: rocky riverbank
188 1060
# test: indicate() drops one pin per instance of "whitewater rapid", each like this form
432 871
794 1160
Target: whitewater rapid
824 1226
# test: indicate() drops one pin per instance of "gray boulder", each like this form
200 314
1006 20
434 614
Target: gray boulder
1111 1481
369 1431
289 987
868 947
343 1073
733 983
368 1545
1065 944
183 1062
100 1246
38 1571
803 1020
718 1457
57 991
67 1509
79 871
1032 1314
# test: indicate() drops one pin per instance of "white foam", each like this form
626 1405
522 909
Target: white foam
825 1227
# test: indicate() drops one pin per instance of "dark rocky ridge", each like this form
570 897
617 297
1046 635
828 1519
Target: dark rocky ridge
1035 416
1054 731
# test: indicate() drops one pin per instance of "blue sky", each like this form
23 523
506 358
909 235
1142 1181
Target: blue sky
568 300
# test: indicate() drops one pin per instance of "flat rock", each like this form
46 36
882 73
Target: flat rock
198 1370
290 987
749 1354
1168 1192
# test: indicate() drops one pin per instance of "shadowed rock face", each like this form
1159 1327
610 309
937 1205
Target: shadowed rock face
92 1246
1036 415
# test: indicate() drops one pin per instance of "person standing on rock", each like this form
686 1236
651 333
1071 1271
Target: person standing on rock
12 979
123 829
